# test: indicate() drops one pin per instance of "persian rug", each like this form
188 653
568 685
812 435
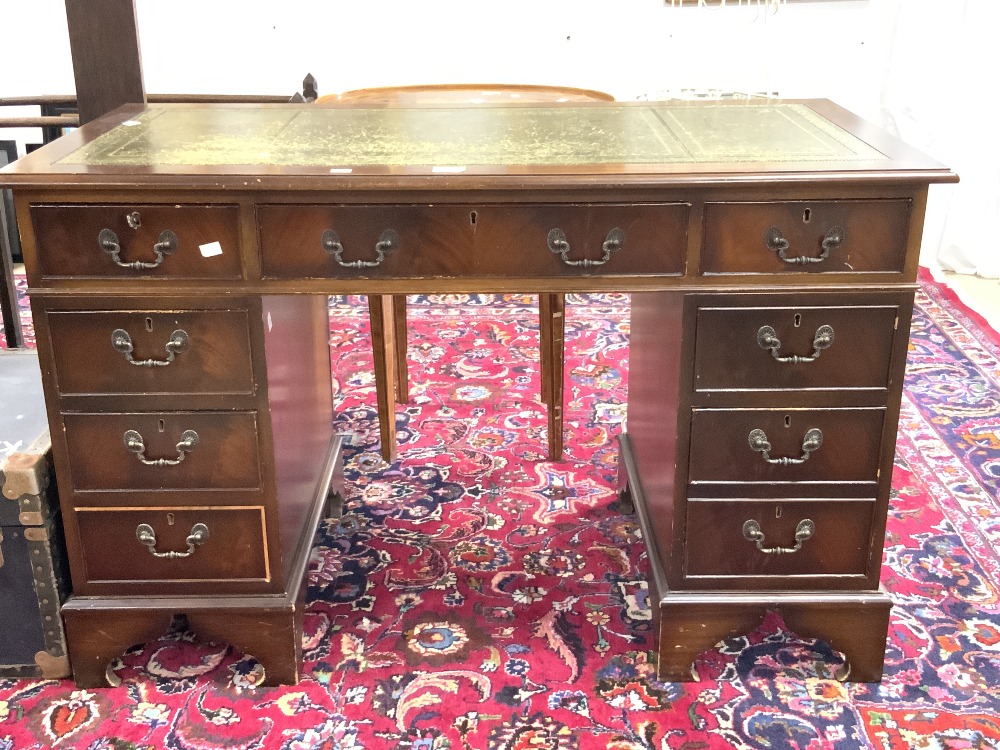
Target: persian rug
474 595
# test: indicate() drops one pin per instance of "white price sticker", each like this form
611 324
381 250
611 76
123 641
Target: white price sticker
210 249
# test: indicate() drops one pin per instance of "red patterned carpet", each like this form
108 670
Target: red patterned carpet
473 596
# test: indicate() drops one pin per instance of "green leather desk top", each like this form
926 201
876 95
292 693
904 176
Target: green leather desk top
559 135
593 145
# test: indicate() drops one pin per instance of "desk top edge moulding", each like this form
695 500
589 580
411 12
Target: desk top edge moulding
178 261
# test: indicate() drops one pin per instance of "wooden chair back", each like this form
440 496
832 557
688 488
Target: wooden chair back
466 93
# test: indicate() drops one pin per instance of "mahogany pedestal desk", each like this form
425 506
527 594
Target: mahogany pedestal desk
178 258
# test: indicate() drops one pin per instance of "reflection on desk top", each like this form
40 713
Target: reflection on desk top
485 136
657 143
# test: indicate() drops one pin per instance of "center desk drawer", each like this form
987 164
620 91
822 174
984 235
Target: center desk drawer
748 348
173 545
849 236
320 241
154 352
567 240
740 446
453 241
163 451
170 242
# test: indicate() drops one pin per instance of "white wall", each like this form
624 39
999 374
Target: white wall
629 48
868 55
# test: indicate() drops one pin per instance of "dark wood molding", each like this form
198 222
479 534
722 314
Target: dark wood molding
8 291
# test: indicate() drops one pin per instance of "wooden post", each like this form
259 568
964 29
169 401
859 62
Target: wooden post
8 291
104 41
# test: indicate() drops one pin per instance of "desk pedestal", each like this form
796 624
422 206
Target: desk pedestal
266 626
688 623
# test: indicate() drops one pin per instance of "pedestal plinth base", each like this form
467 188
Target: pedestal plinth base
266 626
688 623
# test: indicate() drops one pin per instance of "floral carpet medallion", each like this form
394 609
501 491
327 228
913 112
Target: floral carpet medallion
473 595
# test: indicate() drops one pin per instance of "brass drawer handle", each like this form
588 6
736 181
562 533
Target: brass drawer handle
387 242
767 338
752 533
134 443
812 440
165 245
146 536
559 245
122 344
777 243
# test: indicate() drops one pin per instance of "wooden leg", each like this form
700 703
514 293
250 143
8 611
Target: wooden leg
545 346
399 330
274 638
621 482
859 634
271 635
687 631
552 329
625 502
853 623
380 309
334 505
94 638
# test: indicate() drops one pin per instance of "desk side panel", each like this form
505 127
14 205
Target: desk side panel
653 400
300 399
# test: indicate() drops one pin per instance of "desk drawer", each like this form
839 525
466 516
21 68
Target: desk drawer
839 445
859 237
583 239
319 241
163 451
232 546
843 347
834 536
453 241
152 352
130 241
